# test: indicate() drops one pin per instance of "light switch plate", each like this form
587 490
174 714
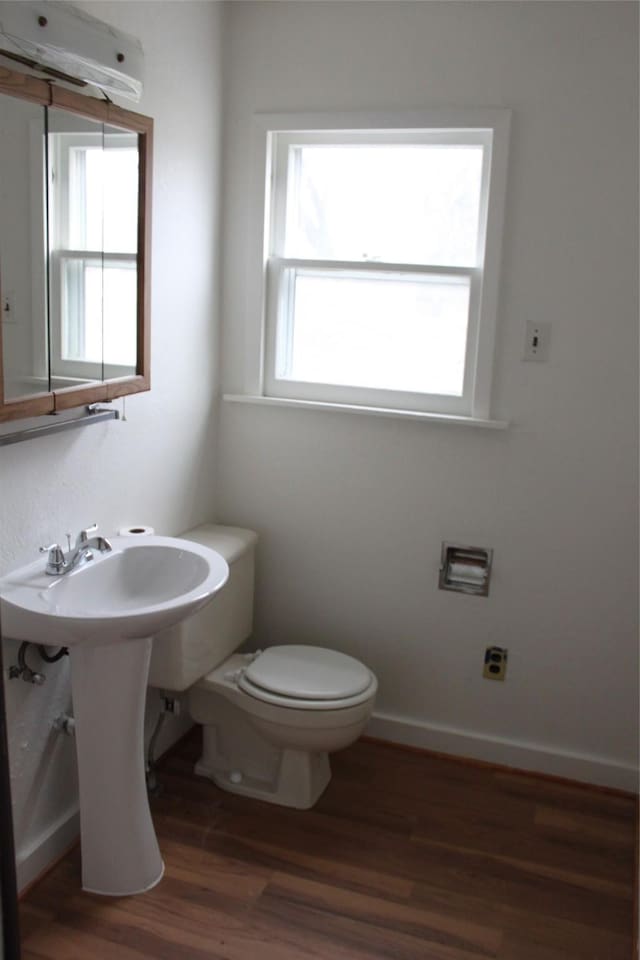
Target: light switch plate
538 337
8 307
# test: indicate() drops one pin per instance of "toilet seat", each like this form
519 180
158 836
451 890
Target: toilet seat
307 678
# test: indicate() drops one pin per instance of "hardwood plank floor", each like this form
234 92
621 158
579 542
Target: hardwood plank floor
407 856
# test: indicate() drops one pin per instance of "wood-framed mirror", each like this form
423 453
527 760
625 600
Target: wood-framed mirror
75 238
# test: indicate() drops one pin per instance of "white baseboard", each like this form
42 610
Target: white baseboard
46 848
586 768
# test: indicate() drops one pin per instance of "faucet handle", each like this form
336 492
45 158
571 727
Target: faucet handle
52 548
56 562
84 535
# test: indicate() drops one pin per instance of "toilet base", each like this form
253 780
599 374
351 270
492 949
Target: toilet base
290 778
271 752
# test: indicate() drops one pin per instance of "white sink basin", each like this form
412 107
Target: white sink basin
106 611
135 590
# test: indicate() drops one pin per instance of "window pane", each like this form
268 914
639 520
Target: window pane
399 204
99 312
383 332
85 197
120 199
103 198
82 311
120 304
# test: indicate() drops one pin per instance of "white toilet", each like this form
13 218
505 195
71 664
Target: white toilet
270 718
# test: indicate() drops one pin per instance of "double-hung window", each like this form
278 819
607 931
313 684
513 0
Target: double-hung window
93 246
381 261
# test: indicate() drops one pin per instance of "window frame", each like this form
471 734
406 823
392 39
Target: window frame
274 133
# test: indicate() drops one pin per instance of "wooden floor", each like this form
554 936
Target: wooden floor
405 857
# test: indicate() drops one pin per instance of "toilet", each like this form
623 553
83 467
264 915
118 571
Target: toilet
271 718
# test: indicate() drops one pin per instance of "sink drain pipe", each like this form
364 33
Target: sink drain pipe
62 652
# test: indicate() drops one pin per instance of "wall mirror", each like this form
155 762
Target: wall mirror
75 189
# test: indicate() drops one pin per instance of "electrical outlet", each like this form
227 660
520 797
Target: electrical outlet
495 663
536 345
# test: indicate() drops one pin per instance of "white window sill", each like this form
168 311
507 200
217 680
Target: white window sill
418 415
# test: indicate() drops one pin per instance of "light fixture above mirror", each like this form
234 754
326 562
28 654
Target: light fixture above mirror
61 39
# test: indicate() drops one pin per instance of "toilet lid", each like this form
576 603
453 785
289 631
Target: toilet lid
308 673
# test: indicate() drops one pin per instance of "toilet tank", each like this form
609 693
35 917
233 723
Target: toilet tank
187 652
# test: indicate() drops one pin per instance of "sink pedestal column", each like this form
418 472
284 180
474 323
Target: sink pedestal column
120 853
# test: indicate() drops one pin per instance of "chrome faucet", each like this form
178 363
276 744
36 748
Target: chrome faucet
59 562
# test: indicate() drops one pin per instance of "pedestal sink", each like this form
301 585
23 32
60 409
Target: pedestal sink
106 611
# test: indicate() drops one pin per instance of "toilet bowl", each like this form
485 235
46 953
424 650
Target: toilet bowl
270 718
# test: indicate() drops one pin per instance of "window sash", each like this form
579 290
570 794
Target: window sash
285 160
279 331
77 369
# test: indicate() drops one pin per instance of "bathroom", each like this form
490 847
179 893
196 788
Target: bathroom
351 510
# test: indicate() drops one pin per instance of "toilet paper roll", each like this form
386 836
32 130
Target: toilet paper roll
467 573
136 531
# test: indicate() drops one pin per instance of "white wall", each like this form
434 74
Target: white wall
352 510
157 467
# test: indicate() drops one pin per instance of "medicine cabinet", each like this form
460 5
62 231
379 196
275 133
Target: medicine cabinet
75 197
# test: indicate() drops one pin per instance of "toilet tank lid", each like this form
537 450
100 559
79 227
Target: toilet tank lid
311 673
231 542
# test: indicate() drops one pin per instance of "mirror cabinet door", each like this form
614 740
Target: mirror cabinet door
22 249
92 249
121 281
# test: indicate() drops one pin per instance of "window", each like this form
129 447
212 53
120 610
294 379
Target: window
93 253
381 262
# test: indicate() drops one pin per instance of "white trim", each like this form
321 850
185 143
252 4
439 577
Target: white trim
366 266
418 415
99 255
443 118
492 254
48 847
521 755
